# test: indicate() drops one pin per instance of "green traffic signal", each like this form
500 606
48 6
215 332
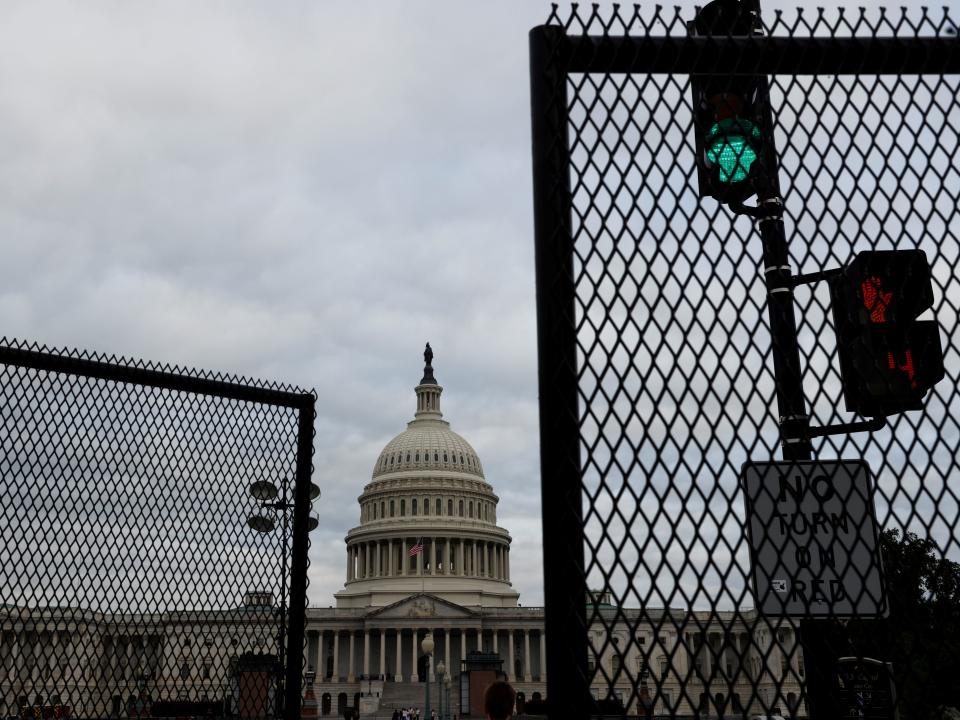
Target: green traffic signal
732 145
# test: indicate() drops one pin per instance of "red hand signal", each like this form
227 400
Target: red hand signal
875 300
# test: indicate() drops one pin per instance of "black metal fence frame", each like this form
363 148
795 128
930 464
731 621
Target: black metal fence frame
553 56
234 389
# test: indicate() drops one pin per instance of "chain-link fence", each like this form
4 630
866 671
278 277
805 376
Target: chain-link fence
140 576
681 338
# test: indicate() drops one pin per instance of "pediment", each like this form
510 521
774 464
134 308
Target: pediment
422 605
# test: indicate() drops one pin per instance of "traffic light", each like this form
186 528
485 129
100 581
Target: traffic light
888 358
728 112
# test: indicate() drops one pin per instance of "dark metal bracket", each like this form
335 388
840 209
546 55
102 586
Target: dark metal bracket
810 278
871 425
772 208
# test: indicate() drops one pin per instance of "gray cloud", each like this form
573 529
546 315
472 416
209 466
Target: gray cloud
302 191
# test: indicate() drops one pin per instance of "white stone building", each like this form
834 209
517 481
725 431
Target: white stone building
428 486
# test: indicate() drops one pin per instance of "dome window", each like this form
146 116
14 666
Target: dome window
450 508
403 508
391 459
382 508
471 508
461 459
413 506
417 458
426 506
438 506
408 457
391 508
461 508
445 457
436 457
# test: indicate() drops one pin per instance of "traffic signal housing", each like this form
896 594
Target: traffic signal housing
888 358
729 112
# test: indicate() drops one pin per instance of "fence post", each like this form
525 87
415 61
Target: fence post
561 491
298 560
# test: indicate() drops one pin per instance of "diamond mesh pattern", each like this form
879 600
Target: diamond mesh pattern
675 387
132 584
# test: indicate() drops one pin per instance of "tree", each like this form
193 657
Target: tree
921 636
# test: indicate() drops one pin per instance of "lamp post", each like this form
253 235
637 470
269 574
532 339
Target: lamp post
441 670
427 646
446 686
266 493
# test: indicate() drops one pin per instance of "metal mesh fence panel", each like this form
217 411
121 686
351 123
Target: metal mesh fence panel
660 378
133 583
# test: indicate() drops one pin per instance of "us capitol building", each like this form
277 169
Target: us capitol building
428 489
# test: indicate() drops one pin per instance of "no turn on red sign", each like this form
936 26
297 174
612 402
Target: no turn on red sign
814 541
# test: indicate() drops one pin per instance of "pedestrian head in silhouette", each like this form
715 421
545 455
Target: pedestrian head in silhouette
498 701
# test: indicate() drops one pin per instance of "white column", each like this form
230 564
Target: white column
543 656
419 564
336 655
460 568
526 656
512 663
496 639
413 654
506 563
383 654
397 673
349 564
390 570
366 653
315 655
486 560
367 560
378 568
350 665
403 556
479 639
446 556
463 644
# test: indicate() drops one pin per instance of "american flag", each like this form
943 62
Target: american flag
416 549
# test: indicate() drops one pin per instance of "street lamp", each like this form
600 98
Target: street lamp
446 685
441 669
427 647
266 493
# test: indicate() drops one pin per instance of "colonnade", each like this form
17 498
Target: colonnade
34 655
345 654
441 556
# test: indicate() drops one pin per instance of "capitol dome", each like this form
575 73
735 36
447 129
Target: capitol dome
424 447
428 519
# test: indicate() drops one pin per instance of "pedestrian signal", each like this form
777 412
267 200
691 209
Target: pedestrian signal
889 360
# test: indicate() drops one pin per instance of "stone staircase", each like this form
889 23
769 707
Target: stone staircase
401 695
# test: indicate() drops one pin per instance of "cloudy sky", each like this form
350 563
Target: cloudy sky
300 191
